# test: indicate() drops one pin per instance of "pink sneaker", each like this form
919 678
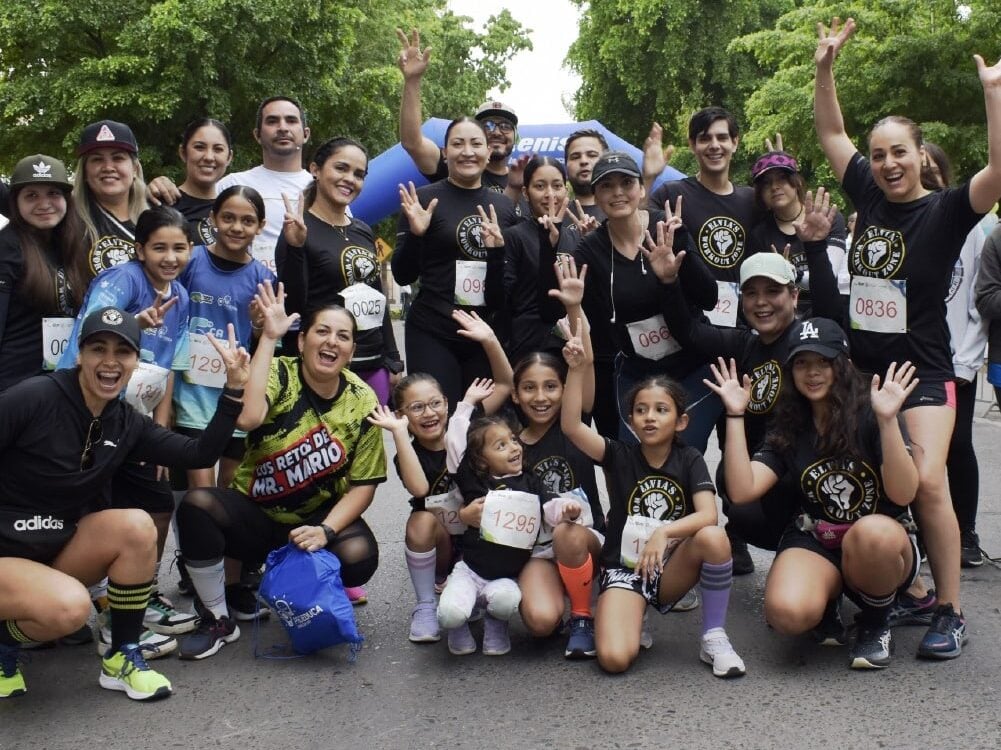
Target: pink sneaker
356 594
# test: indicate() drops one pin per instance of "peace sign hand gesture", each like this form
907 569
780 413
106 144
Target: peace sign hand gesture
777 146
418 217
553 218
573 351
152 316
235 358
294 226
490 232
990 76
666 264
412 60
582 220
818 216
831 41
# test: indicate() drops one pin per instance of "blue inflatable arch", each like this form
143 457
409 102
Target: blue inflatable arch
380 198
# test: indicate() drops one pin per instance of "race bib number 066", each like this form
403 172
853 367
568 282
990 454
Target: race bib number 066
511 518
651 339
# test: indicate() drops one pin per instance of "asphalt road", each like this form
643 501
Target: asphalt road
401 695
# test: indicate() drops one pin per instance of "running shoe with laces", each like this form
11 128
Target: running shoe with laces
460 640
424 624
496 639
580 644
161 617
970 554
907 610
242 604
872 648
127 670
717 651
646 637
356 595
153 645
830 631
945 636
11 679
211 635
687 603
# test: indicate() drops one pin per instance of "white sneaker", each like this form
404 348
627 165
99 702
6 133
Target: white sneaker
717 651
161 617
646 640
153 645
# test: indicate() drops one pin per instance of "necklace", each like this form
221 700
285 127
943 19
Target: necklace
799 213
341 228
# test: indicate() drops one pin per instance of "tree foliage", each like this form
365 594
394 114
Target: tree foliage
156 65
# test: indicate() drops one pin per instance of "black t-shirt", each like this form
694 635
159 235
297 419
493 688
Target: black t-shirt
21 318
719 224
333 259
638 489
917 243
766 233
630 291
489 559
115 243
196 211
839 489
435 472
562 467
452 242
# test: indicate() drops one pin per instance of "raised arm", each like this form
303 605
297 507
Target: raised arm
473 327
898 470
827 119
413 61
586 438
411 473
985 187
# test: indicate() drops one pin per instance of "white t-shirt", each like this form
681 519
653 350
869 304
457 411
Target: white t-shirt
270 184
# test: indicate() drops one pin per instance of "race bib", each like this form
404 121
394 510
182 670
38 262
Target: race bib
446 508
511 518
651 339
637 531
264 253
55 335
207 367
879 305
725 312
470 282
146 387
367 305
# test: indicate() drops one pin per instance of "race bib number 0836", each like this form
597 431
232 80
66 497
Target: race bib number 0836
879 305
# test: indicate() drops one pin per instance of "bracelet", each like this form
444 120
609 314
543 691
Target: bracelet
734 416
255 327
331 534
236 393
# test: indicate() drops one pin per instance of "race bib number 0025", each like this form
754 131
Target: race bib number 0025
366 304
879 305
511 518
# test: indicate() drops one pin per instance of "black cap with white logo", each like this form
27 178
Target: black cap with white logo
819 335
612 162
111 320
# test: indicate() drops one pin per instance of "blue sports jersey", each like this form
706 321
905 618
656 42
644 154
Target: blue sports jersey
217 297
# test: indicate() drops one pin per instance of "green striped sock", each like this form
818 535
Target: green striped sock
11 634
127 607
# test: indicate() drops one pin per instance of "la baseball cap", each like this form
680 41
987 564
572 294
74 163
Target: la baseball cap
496 109
819 335
40 169
774 160
112 320
770 265
107 134
612 162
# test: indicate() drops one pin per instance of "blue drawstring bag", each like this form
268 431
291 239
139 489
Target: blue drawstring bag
304 589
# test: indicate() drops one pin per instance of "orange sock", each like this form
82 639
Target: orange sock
578 582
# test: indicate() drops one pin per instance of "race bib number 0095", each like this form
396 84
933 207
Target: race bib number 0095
470 283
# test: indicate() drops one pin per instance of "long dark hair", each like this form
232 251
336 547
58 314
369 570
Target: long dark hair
848 407
39 278
324 152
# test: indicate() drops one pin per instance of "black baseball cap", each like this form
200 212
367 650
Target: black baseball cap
107 134
819 335
111 320
612 162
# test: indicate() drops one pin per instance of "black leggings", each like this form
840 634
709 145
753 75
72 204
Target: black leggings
964 473
454 364
213 523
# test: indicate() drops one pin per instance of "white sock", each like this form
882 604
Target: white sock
210 585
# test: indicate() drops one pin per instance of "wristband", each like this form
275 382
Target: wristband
331 534
734 416
236 393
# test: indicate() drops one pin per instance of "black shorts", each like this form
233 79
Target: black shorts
629 580
235 448
932 394
34 535
136 486
793 538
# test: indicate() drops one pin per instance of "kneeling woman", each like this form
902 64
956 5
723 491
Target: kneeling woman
62 438
310 469
841 437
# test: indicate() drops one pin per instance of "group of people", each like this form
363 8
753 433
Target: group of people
233 332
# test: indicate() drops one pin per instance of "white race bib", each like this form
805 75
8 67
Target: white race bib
651 339
511 518
368 305
470 282
207 367
725 312
55 335
879 305
446 508
264 253
637 531
146 387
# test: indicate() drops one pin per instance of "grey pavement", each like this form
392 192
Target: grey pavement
402 695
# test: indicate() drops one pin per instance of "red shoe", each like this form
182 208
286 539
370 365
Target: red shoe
356 594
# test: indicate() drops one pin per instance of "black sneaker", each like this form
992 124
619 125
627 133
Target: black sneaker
242 603
80 637
212 634
872 648
830 631
251 576
970 554
742 563
945 636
